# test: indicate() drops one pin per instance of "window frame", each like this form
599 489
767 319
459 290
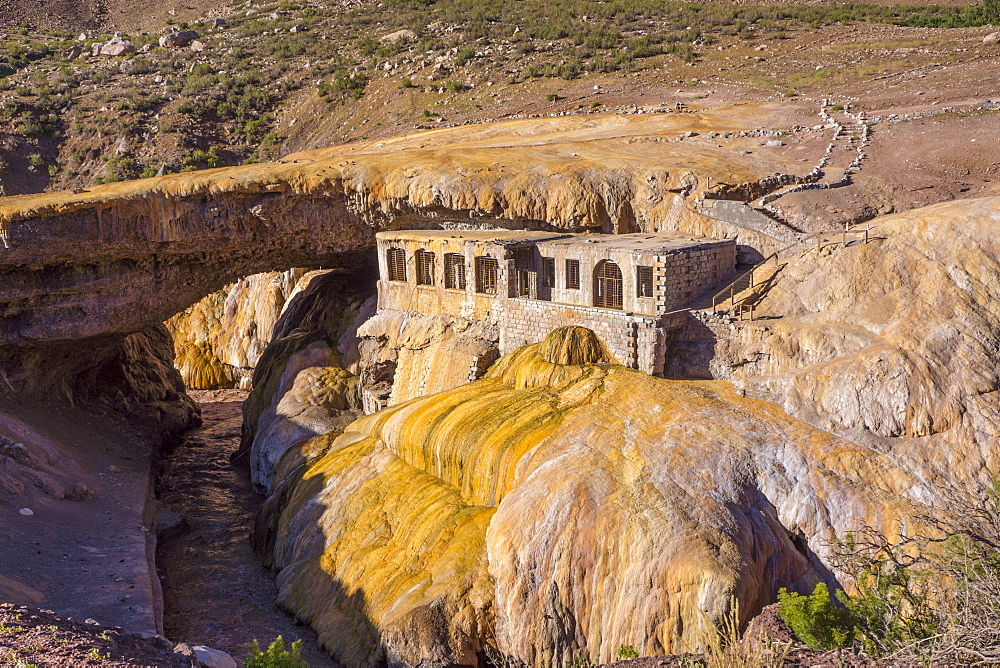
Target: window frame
426 261
487 266
454 280
644 281
572 274
548 272
395 262
609 288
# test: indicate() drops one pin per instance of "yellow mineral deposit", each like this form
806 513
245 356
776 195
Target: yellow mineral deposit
561 506
219 340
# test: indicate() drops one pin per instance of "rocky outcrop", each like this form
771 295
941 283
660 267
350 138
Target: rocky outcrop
306 381
895 339
562 506
545 512
219 340
405 355
315 395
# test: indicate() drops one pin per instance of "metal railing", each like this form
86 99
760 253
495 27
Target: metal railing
839 238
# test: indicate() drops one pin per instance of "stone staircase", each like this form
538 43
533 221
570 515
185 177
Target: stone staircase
741 296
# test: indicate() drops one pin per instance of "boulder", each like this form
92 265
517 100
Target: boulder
72 53
992 38
115 47
218 23
213 658
394 37
197 46
178 39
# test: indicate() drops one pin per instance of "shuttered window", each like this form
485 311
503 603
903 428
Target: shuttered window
425 267
454 271
486 275
573 274
644 281
395 260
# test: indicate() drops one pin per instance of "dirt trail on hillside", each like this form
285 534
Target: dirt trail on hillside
215 591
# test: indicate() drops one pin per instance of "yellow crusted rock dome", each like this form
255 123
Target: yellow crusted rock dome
573 345
556 510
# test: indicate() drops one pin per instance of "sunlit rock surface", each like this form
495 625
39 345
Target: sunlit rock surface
306 382
897 340
120 257
405 355
315 395
219 340
562 506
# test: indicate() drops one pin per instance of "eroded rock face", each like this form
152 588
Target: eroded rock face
219 340
306 382
405 355
119 257
896 339
545 511
315 395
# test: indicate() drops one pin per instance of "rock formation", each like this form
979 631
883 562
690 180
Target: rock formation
894 340
562 506
405 355
219 340
306 382
545 512
123 256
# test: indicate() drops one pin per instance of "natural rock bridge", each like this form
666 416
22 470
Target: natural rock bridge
118 258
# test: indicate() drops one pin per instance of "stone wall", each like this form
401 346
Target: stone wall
738 213
680 278
636 341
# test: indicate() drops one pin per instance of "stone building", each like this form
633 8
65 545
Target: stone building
624 287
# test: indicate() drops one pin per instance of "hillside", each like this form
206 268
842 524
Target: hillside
277 78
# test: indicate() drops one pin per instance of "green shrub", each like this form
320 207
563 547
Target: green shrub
891 607
816 619
627 652
343 87
276 655
464 55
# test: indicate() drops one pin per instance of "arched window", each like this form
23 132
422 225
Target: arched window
395 261
607 285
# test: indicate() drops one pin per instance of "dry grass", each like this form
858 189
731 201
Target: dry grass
725 647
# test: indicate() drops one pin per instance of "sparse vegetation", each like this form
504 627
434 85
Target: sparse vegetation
166 103
277 655
927 599
725 647
626 652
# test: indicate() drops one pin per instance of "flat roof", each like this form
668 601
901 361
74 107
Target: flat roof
639 242
501 237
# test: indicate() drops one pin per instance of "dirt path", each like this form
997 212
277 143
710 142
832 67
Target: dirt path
215 591
83 555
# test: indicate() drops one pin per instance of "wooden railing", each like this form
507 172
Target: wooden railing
822 239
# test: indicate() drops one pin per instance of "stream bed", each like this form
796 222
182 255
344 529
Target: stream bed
215 591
